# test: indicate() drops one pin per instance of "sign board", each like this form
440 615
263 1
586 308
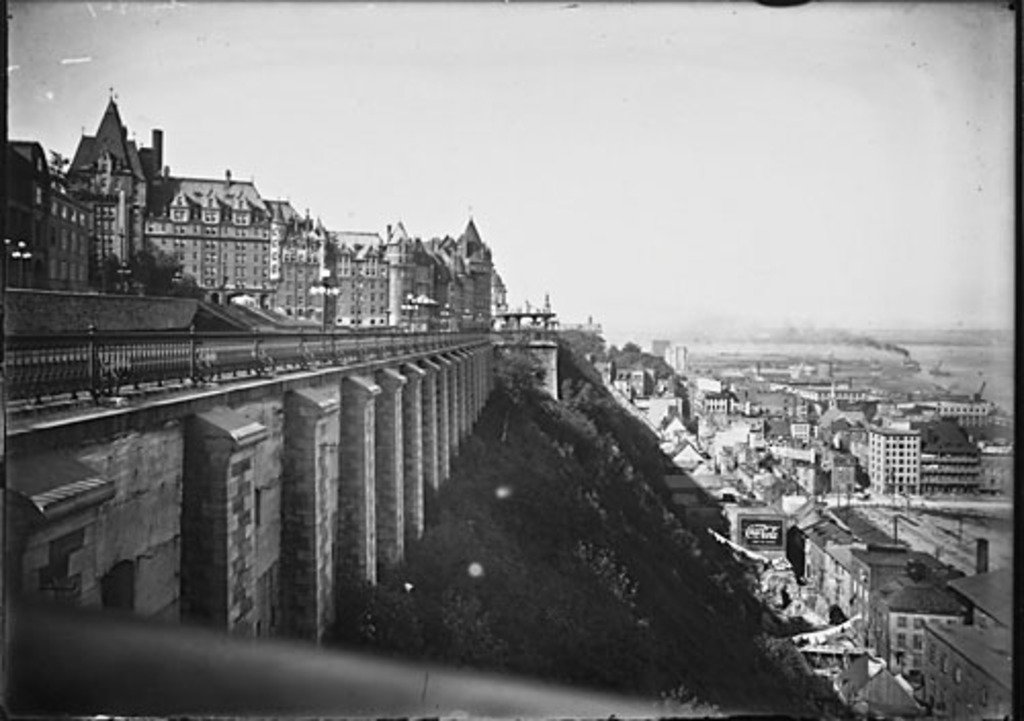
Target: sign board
767 533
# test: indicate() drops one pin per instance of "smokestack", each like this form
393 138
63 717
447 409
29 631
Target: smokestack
982 562
158 149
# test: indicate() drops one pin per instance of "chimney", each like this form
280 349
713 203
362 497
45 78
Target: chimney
167 171
227 176
158 149
982 563
387 238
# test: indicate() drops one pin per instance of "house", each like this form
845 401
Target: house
872 690
968 671
898 613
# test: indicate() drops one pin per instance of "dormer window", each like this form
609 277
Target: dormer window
241 217
211 216
179 209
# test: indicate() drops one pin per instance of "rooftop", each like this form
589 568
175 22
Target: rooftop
861 527
921 597
991 592
990 649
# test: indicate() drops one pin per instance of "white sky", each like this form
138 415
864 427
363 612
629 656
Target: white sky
657 166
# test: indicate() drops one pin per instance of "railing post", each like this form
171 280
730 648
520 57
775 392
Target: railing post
193 351
94 364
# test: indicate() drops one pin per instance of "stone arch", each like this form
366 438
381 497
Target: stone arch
117 587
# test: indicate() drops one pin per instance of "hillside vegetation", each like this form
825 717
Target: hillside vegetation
552 553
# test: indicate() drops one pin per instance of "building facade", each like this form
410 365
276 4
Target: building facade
968 671
894 461
111 174
47 231
218 230
950 463
361 273
968 412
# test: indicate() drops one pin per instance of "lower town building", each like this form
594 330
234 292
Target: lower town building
995 470
968 672
899 611
950 463
969 412
894 461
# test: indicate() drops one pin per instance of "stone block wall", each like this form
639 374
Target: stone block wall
430 425
412 450
356 554
240 508
137 528
390 468
222 454
266 511
309 511
444 419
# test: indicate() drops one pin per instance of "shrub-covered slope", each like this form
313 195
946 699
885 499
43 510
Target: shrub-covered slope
552 553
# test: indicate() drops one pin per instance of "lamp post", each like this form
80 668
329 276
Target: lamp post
19 252
328 291
409 312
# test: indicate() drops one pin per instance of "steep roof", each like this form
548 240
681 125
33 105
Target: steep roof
282 211
202 191
992 592
111 137
357 238
861 527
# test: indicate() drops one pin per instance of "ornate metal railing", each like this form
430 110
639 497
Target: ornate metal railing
101 364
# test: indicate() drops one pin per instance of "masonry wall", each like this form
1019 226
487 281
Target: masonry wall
412 451
309 511
240 508
140 525
356 552
390 468
265 500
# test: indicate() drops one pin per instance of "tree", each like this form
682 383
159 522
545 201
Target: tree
58 168
103 273
154 272
585 343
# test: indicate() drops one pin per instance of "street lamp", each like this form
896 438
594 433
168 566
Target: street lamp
18 252
326 290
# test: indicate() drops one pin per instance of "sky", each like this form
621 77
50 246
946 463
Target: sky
658 167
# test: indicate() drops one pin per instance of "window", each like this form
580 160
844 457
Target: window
211 216
901 622
179 215
916 643
943 663
958 674
984 696
901 640
258 506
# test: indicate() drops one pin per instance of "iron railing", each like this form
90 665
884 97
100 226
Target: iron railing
101 363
